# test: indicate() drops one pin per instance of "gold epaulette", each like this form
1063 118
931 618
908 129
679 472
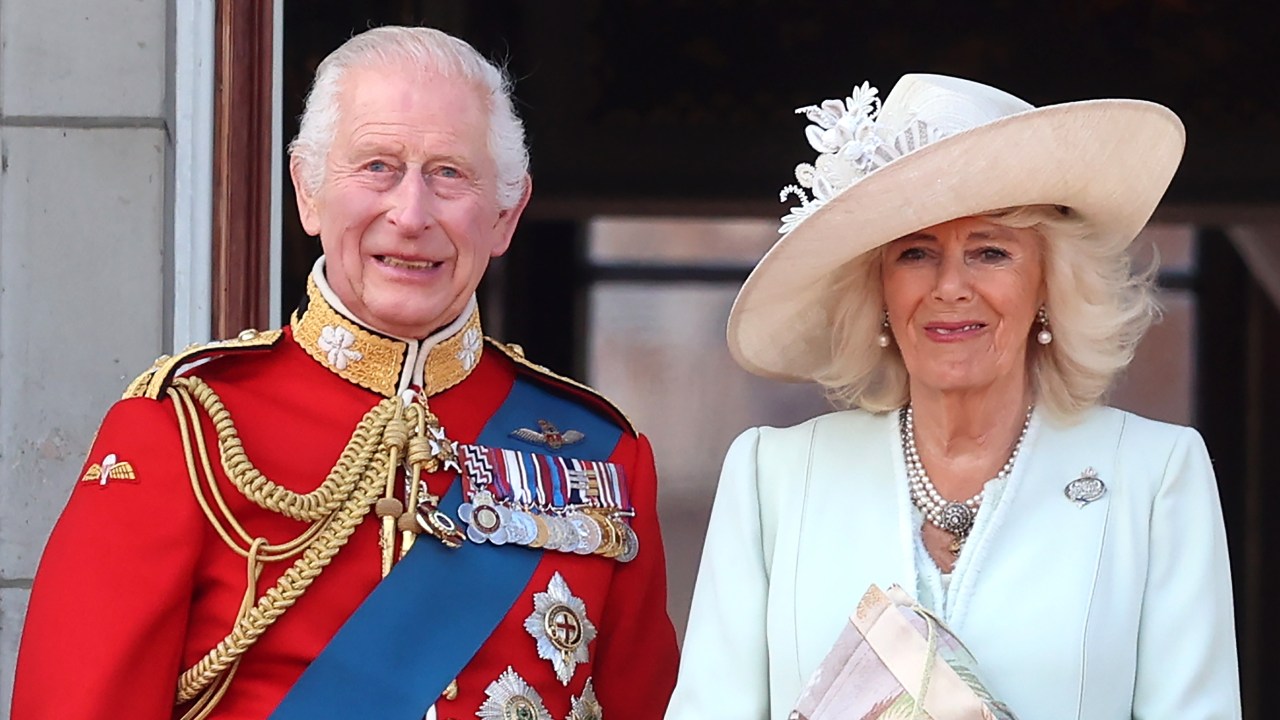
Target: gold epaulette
516 354
156 379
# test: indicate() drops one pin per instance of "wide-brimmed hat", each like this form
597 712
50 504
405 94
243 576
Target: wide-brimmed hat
939 148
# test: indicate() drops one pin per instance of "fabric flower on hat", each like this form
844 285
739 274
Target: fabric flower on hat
838 122
844 134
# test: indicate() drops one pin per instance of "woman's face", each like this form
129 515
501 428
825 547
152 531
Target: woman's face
962 297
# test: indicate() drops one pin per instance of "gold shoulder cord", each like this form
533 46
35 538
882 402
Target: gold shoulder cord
361 476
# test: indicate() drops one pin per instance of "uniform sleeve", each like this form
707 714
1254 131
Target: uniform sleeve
108 609
724 668
1187 664
636 664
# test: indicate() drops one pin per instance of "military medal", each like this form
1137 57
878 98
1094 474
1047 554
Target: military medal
1086 488
589 537
546 502
571 538
541 531
563 536
511 698
560 625
554 535
586 707
609 541
630 543
522 529
426 449
440 526
486 521
444 452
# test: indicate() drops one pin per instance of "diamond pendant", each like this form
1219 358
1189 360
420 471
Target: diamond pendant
957 518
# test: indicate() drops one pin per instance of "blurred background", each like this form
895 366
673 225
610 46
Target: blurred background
144 205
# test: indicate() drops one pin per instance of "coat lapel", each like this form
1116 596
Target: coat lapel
854 528
1039 544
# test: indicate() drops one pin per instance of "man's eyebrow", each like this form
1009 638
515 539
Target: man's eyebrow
366 144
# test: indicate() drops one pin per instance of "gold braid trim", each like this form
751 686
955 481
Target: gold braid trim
359 479
264 493
154 381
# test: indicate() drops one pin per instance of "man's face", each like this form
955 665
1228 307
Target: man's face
407 215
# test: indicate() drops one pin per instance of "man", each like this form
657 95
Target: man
374 512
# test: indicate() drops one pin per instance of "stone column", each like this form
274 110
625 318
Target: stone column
85 270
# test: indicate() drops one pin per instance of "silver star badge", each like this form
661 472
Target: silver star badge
560 625
586 707
511 698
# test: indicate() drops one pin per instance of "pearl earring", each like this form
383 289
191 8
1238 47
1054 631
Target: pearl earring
883 339
1044 337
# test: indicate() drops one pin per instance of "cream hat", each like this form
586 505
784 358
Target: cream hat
939 148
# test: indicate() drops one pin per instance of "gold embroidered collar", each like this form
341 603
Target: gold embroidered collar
384 364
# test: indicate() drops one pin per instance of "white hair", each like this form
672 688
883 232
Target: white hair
428 49
1098 309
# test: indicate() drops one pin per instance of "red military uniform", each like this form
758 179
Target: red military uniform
137 584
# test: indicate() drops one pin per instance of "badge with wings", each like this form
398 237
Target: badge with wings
111 468
548 435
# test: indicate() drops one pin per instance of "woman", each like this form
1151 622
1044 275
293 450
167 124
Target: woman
960 280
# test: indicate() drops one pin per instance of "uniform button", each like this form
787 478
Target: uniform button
248 334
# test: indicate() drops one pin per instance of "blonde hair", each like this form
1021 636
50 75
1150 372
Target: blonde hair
1098 308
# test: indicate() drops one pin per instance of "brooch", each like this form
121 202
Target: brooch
1086 488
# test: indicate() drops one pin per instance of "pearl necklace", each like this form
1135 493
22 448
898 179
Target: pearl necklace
955 517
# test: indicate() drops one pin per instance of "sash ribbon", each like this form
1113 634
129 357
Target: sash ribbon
423 623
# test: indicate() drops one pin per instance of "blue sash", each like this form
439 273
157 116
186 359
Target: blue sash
423 623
